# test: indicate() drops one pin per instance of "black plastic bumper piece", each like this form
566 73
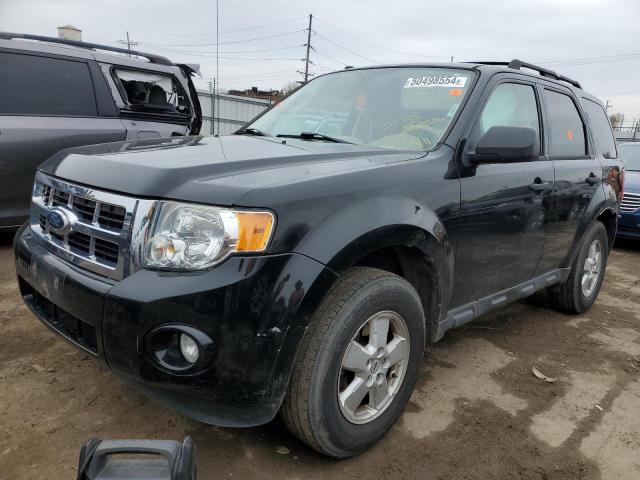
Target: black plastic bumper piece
254 309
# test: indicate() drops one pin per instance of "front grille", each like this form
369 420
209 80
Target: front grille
107 251
99 236
60 198
111 216
630 202
84 207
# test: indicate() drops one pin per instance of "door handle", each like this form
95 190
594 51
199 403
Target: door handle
539 185
592 179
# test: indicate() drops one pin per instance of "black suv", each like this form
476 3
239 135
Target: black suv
56 94
303 264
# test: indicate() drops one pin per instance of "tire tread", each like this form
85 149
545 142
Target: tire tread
295 408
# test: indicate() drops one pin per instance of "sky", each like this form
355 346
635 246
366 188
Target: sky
261 43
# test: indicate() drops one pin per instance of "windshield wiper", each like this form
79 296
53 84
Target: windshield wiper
314 136
251 131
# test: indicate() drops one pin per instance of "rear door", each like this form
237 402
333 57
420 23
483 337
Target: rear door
501 230
578 174
47 103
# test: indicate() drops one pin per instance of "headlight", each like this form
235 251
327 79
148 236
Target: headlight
194 237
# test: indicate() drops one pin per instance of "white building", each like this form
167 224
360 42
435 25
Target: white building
230 112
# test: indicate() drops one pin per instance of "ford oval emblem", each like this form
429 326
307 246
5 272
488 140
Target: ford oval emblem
59 221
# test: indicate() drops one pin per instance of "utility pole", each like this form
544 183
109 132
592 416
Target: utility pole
128 44
212 128
216 81
607 106
306 63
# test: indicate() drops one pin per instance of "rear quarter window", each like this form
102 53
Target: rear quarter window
566 130
601 131
152 92
35 85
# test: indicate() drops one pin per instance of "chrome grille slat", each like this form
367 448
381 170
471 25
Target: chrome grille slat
630 202
100 238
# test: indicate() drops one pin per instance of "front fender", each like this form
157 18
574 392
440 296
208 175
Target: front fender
382 218
361 228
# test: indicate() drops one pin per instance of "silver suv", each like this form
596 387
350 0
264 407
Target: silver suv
56 94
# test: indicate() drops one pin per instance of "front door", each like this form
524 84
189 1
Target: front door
501 230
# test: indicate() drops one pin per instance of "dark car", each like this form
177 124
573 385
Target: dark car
303 265
56 94
629 223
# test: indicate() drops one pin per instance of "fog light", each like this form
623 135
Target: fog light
189 348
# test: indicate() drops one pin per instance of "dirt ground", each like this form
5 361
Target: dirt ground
478 411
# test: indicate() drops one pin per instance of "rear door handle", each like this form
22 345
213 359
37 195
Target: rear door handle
539 185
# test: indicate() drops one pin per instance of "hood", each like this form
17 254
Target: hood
215 170
632 181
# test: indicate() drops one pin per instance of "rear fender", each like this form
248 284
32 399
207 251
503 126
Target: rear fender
601 203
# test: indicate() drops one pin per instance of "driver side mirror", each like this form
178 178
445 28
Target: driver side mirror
502 144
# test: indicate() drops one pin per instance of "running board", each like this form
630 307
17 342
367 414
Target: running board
466 313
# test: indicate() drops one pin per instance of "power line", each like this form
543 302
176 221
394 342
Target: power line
330 58
257 27
345 48
190 52
421 55
629 56
260 75
223 43
591 61
213 55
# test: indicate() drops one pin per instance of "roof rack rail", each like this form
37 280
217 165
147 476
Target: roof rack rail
90 46
545 72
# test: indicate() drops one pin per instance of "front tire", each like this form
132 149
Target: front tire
357 364
580 291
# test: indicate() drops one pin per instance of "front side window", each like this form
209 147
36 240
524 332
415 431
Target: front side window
36 85
603 140
566 130
152 92
402 108
509 105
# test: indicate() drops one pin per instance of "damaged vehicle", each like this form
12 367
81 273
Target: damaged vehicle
305 264
56 94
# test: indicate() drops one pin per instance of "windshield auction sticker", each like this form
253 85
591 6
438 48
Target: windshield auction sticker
435 81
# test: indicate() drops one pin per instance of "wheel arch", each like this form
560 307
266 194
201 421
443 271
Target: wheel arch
609 217
396 235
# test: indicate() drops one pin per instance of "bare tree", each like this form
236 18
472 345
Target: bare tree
616 119
289 87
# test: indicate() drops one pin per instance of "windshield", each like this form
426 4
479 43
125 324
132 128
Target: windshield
402 108
630 155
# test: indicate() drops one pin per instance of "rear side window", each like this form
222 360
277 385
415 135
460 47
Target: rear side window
152 92
566 130
603 140
34 85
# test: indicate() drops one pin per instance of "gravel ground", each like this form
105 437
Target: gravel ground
478 411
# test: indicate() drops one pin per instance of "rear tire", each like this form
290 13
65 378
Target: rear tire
580 291
347 352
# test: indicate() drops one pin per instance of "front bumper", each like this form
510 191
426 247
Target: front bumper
254 308
629 225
